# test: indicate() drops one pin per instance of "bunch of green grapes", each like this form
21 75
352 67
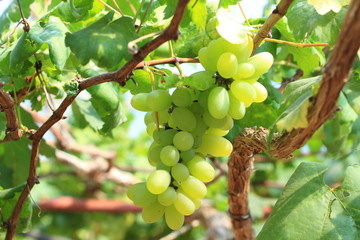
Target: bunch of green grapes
184 134
190 124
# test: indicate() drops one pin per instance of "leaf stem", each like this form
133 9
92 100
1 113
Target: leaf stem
110 7
138 11
246 19
143 18
300 45
117 6
152 78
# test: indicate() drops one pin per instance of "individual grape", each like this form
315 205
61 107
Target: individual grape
159 100
205 60
245 70
153 212
183 204
261 92
148 118
211 28
183 141
218 102
193 187
201 169
184 119
203 98
154 155
202 80
247 51
261 62
213 122
215 145
168 197
158 181
214 51
187 155
200 127
169 155
243 91
151 128
162 166
237 109
163 116
179 172
139 102
197 141
166 137
182 97
196 201
140 195
196 108
217 131
229 123
171 122
227 65
173 218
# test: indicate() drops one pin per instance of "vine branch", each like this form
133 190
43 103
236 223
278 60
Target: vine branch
250 142
7 104
275 16
120 76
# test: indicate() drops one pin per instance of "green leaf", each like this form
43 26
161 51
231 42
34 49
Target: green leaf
105 40
22 51
352 91
293 109
307 197
304 21
226 3
89 113
196 13
53 33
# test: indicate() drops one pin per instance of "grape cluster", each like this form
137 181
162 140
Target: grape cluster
190 124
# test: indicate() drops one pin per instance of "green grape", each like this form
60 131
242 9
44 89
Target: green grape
151 128
171 122
184 119
197 141
154 155
217 131
204 60
210 28
236 49
245 70
139 102
140 195
183 141
200 80
196 108
162 115
210 121
193 187
182 97
166 137
214 51
237 109
173 218
148 118
162 166
243 91
159 100
153 213
179 172
229 123
261 92
247 51
201 169
183 204
218 102
200 127
215 145
203 98
168 197
227 65
187 155
169 155
196 201
261 62
158 181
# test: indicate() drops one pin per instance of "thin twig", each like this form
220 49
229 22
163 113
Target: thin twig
300 45
110 7
246 19
117 6
143 18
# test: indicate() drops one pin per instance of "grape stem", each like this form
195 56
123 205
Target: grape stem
151 74
246 19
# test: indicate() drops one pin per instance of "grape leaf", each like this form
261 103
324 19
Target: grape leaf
88 113
325 6
304 21
306 196
226 3
196 13
53 33
352 91
105 40
293 108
